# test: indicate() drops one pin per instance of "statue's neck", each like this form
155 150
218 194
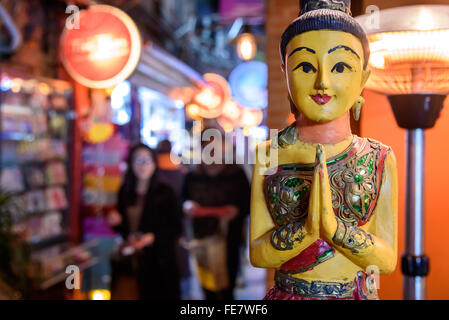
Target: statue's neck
323 132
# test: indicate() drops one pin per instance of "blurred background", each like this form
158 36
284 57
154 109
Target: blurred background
69 119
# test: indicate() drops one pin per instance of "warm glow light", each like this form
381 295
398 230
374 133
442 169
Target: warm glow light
211 97
227 127
246 46
409 62
425 21
100 295
377 60
231 110
28 85
248 119
193 110
251 118
44 88
231 116
208 98
99 132
109 90
16 85
104 47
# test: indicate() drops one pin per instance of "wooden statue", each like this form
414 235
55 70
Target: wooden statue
325 215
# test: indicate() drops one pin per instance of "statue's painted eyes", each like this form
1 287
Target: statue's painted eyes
306 67
341 67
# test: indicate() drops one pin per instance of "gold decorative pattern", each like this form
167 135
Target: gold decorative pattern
357 177
353 238
287 196
282 238
354 183
316 288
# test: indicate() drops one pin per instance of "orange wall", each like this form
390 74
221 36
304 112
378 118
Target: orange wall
378 122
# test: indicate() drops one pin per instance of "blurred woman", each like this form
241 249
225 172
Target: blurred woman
148 216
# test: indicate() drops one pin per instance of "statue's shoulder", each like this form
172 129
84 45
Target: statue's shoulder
284 138
287 136
375 144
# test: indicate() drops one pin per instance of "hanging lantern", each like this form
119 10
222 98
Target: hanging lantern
246 46
211 98
104 50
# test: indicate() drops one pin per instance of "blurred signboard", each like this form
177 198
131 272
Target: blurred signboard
102 48
232 9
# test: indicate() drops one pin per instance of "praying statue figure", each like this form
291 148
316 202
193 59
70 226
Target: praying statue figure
324 214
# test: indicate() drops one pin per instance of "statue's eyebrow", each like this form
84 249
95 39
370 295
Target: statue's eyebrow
344 47
301 48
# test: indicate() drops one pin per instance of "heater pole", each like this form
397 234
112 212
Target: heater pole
414 262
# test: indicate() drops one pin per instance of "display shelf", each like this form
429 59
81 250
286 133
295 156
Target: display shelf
47 242
36 128
31 137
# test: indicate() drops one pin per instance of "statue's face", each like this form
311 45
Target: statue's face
325 73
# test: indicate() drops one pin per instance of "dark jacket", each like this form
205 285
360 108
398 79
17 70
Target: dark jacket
157 273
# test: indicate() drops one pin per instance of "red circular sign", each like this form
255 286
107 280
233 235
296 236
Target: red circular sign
102 48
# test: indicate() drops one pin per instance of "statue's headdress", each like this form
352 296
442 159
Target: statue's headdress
340 5
325 15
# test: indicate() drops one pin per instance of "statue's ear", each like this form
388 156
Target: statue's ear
283 68
365 75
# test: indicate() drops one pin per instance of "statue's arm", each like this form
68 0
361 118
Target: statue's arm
374 244
262 253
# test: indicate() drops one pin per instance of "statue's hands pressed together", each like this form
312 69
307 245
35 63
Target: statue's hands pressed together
314 210
328 221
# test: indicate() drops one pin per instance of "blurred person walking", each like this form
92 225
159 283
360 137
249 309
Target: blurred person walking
217 198
148 217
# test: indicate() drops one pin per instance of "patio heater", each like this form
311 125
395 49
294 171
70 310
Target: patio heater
410 64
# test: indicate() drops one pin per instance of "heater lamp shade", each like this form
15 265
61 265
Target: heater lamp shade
409 49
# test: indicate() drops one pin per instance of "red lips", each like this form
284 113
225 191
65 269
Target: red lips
321 99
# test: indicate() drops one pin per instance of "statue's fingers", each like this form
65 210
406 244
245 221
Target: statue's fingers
314 203
320 155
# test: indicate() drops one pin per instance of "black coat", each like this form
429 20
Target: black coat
157 271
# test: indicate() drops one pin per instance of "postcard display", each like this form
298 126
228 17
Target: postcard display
35 127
